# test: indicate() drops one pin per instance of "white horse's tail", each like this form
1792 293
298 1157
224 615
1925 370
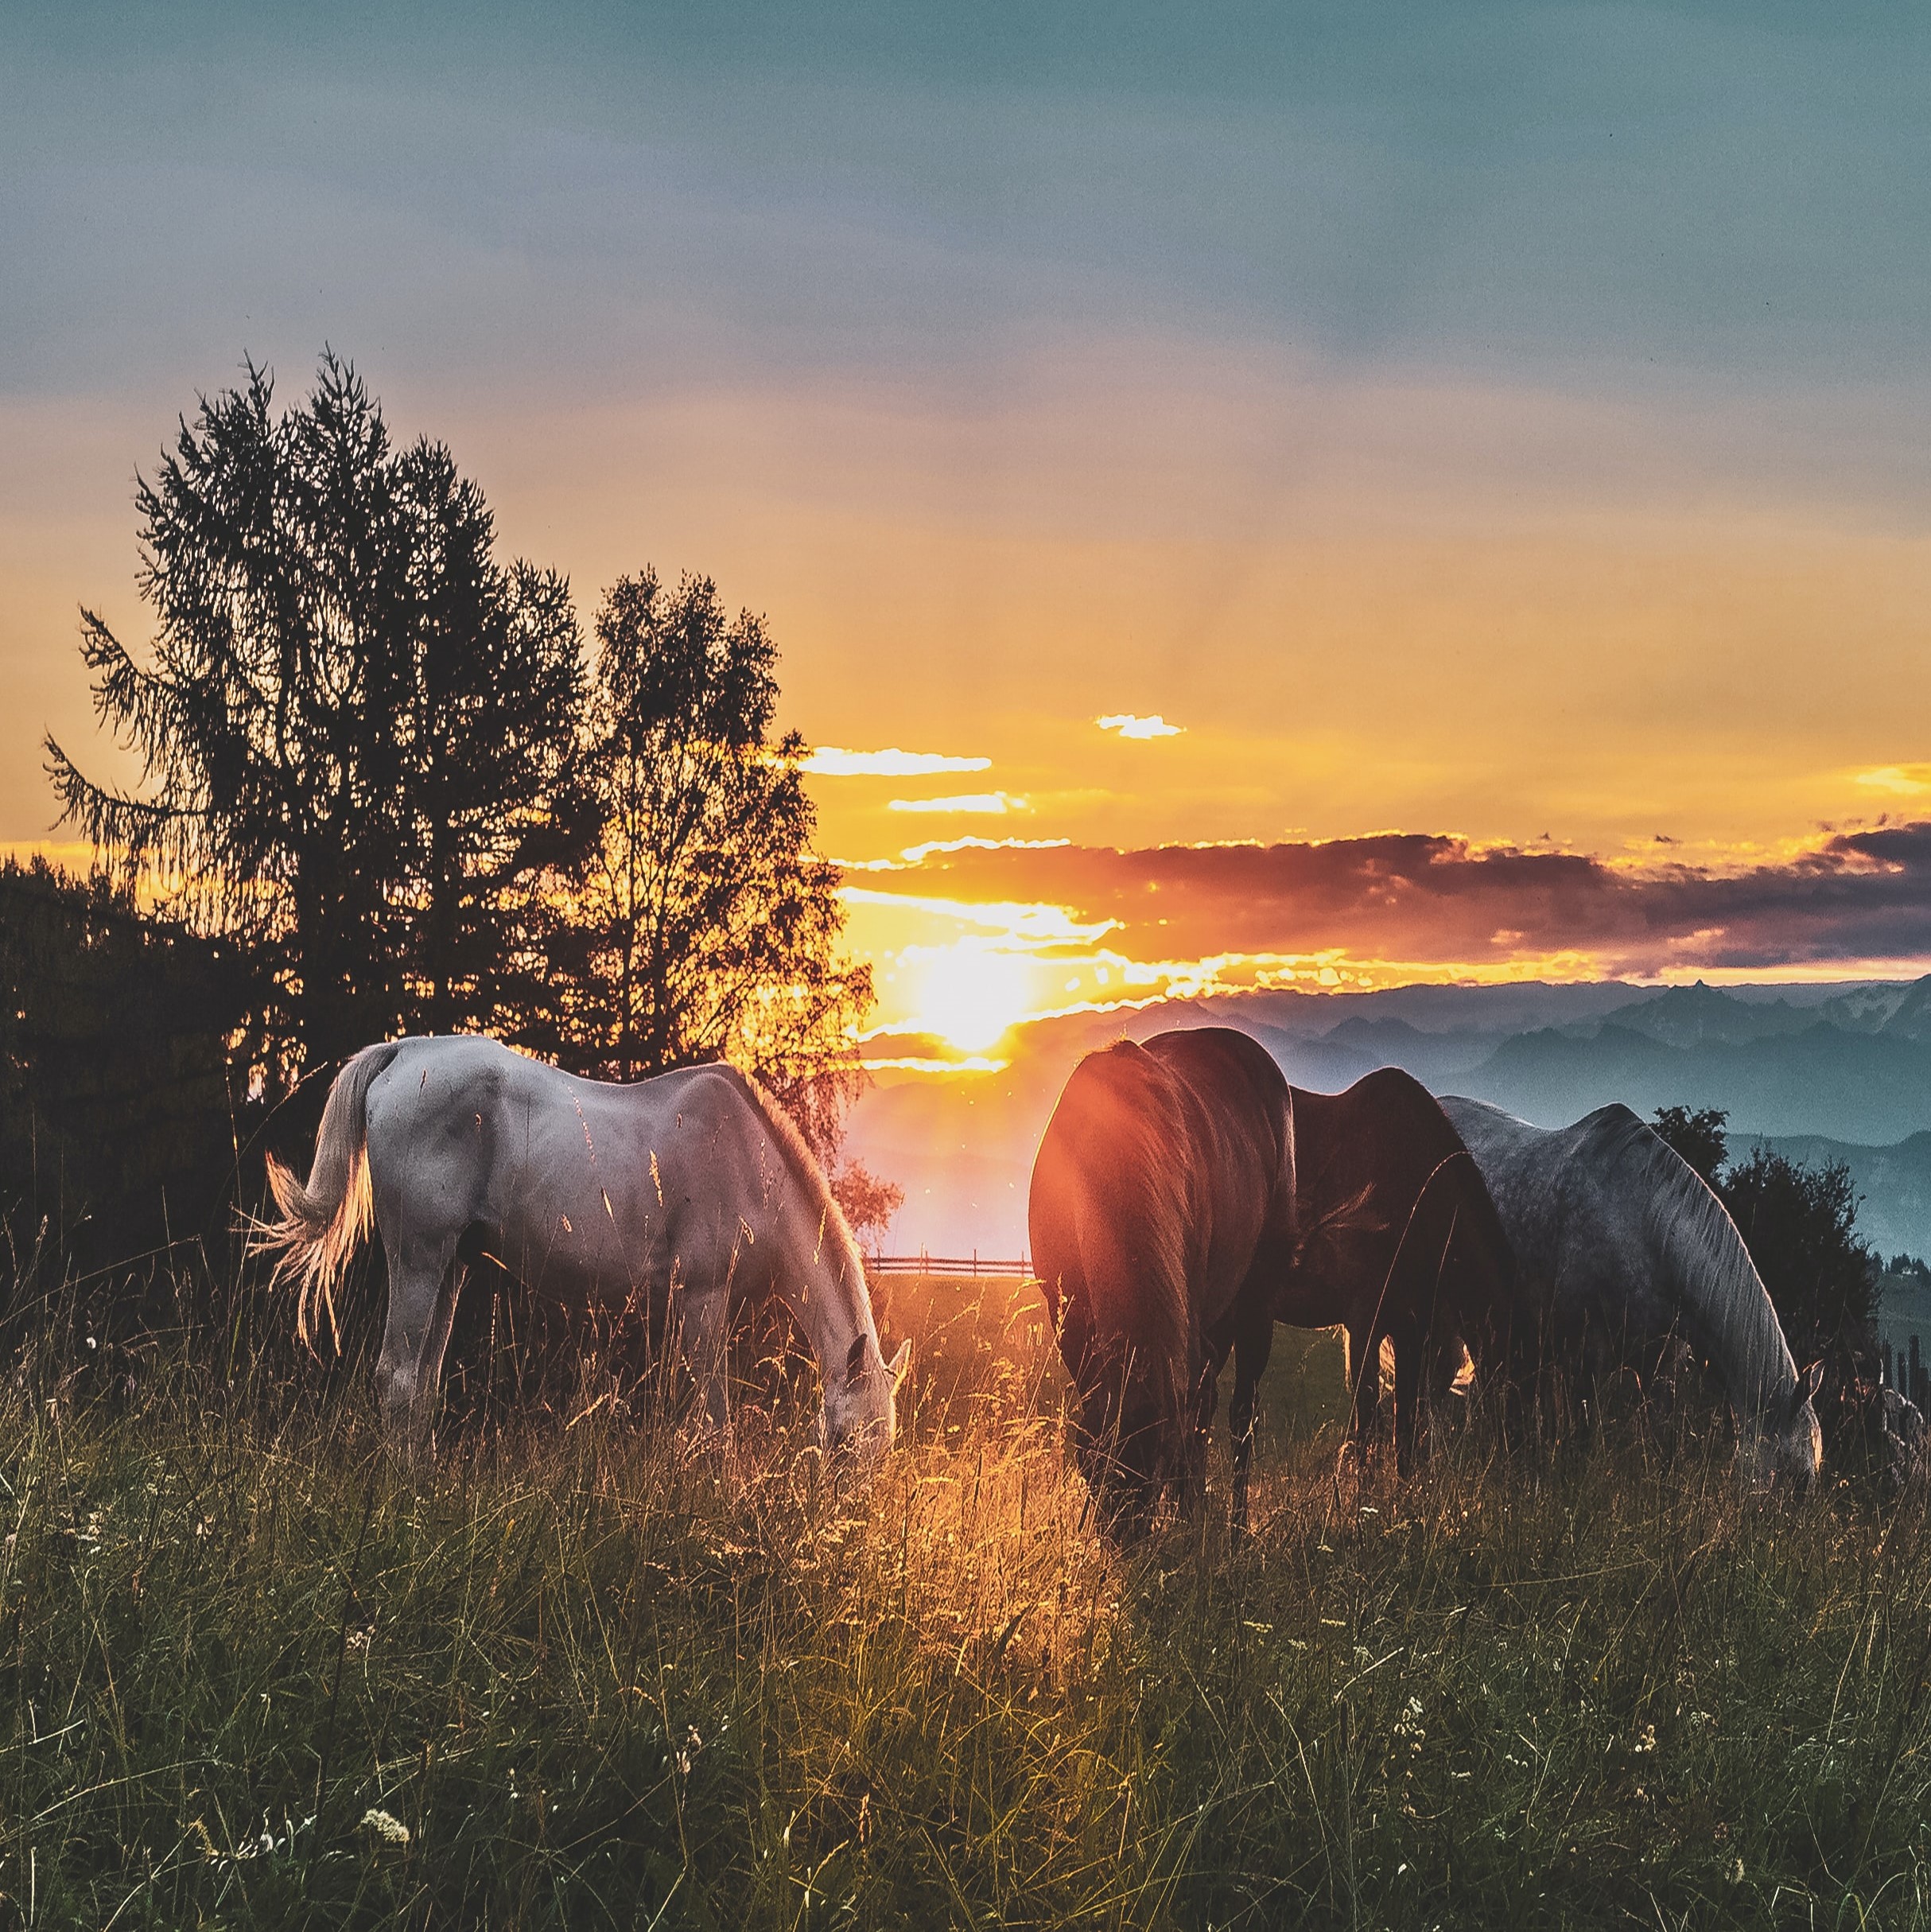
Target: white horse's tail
322 1225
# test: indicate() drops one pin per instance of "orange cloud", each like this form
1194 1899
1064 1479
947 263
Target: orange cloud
1424 904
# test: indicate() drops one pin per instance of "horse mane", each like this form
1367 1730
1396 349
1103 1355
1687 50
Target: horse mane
1704 1264
1141 1303
834 1231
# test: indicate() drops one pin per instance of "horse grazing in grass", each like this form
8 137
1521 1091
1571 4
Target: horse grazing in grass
685 1198
1161 1214
1399 1241
1622 1248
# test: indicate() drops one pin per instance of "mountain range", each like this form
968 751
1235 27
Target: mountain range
1820 1072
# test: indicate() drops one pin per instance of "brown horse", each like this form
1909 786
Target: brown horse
1399 1240
1163 1221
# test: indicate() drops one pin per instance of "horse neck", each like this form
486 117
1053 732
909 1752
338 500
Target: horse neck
824 1287
1711 1277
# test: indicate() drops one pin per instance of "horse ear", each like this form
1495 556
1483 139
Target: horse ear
855 1362
1808 1383
900 1363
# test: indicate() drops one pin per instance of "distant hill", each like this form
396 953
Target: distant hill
1514 1007
1434 1058
1894 1213
1699 1015
1822 1072
1871 1088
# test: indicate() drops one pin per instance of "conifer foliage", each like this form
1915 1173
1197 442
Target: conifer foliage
358 728
380 776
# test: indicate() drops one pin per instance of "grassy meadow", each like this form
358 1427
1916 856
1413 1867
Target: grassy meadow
587 1674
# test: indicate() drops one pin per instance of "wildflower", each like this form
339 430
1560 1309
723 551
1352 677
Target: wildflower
1645 1742
385 1825
1407 1726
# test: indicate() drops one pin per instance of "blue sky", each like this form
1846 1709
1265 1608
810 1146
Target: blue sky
1625 196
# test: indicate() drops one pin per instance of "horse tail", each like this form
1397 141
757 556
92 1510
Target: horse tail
320 1226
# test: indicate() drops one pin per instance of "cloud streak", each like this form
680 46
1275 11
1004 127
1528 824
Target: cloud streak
834 761
1436 900
994 804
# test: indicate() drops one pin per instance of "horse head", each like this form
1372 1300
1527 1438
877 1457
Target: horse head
1787 1445
861 1415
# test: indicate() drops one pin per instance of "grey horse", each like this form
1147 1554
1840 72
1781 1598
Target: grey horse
686 1196
1622 1247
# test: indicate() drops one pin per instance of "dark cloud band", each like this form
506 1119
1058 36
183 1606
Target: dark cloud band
1864 894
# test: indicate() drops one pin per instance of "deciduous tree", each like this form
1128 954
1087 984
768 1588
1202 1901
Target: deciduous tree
705 926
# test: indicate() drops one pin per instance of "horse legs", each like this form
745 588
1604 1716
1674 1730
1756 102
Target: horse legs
424 1280
1190 1474
1407 1397
1365 1374
1253 1343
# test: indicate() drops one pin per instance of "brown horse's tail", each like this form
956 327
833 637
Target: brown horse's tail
320 1226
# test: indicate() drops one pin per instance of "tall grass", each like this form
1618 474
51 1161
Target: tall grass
599 1676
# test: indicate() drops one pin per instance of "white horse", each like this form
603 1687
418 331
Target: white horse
1621 1245
690 1195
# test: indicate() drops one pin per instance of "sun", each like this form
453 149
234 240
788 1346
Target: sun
972 992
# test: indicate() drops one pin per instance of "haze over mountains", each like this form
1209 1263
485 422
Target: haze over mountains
1820 1072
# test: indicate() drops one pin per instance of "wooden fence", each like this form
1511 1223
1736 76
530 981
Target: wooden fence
922 1263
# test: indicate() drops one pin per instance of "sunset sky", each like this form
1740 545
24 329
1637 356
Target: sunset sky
1313 492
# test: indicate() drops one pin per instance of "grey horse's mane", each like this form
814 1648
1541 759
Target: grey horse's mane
1704 1265
834 1230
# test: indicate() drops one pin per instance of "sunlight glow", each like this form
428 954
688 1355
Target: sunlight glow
1904 781
971 994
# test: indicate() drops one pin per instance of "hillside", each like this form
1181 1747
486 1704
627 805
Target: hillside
1823 1071
1866 1087
1894 1183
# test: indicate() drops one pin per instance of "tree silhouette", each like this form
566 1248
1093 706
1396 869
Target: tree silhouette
359 731
1801 1225
120 1119
1698 1135
703 928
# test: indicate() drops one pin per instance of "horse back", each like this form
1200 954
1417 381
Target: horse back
1396 1213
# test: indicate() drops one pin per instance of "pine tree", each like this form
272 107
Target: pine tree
361 732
